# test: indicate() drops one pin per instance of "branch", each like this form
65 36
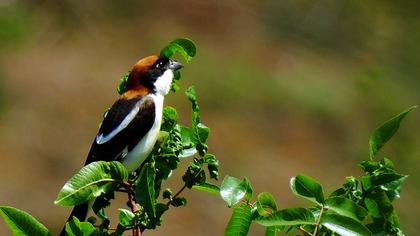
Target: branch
318 220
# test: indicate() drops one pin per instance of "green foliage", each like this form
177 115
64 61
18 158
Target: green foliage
185 47
234 190
145 189
21 223
346 207
92 181
266 204
308 188
385 132
361 207
287 217
207 187
344 226
240 220
77 228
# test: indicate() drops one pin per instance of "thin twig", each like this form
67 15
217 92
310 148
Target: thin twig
304 232
177 194
318 220
133 206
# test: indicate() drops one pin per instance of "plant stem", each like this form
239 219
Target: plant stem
134 208
318 220
177 194
304 232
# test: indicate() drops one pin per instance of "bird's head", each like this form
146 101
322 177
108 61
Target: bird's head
152 74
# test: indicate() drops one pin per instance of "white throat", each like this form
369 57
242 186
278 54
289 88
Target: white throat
163 83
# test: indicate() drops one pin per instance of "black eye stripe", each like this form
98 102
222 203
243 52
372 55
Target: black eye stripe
161 63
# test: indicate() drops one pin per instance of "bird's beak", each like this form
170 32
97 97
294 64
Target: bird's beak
174 65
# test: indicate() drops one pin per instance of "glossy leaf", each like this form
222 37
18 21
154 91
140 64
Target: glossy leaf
91 181
203 132
207 187
240 221
125 217
185 47
234 190
385 132
266 203
346 207
77 228
389 182
290 216
378 204
344 226
145 189
212 166
21 223
308 188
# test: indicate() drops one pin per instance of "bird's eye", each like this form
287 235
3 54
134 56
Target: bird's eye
160 65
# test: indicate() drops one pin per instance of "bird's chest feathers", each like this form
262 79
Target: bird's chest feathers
135 157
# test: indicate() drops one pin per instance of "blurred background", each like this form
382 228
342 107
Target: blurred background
288 87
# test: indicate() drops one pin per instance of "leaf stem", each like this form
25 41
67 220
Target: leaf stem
133 206
176 194
318 220
304 232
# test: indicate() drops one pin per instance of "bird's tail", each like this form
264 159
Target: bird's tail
79 211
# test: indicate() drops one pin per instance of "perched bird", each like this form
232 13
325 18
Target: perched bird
130 128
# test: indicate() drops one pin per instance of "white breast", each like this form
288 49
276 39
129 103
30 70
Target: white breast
139 153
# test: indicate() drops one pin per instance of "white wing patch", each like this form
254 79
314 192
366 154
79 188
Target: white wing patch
100 138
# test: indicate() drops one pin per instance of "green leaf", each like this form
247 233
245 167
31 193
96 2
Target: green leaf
378 204
179 201
290 216
270 231
389 182
233 190
202 132
191 95
170 119
308 188
77 228
145 189
212 166
207 187
122 83
177 75
185 47
385 132
91 181
344 226
346 207
125 217
21 223
266 204
187 137
240 221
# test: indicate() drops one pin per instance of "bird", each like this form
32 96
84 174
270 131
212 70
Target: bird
130 128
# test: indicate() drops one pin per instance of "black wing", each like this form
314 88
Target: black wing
125 124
